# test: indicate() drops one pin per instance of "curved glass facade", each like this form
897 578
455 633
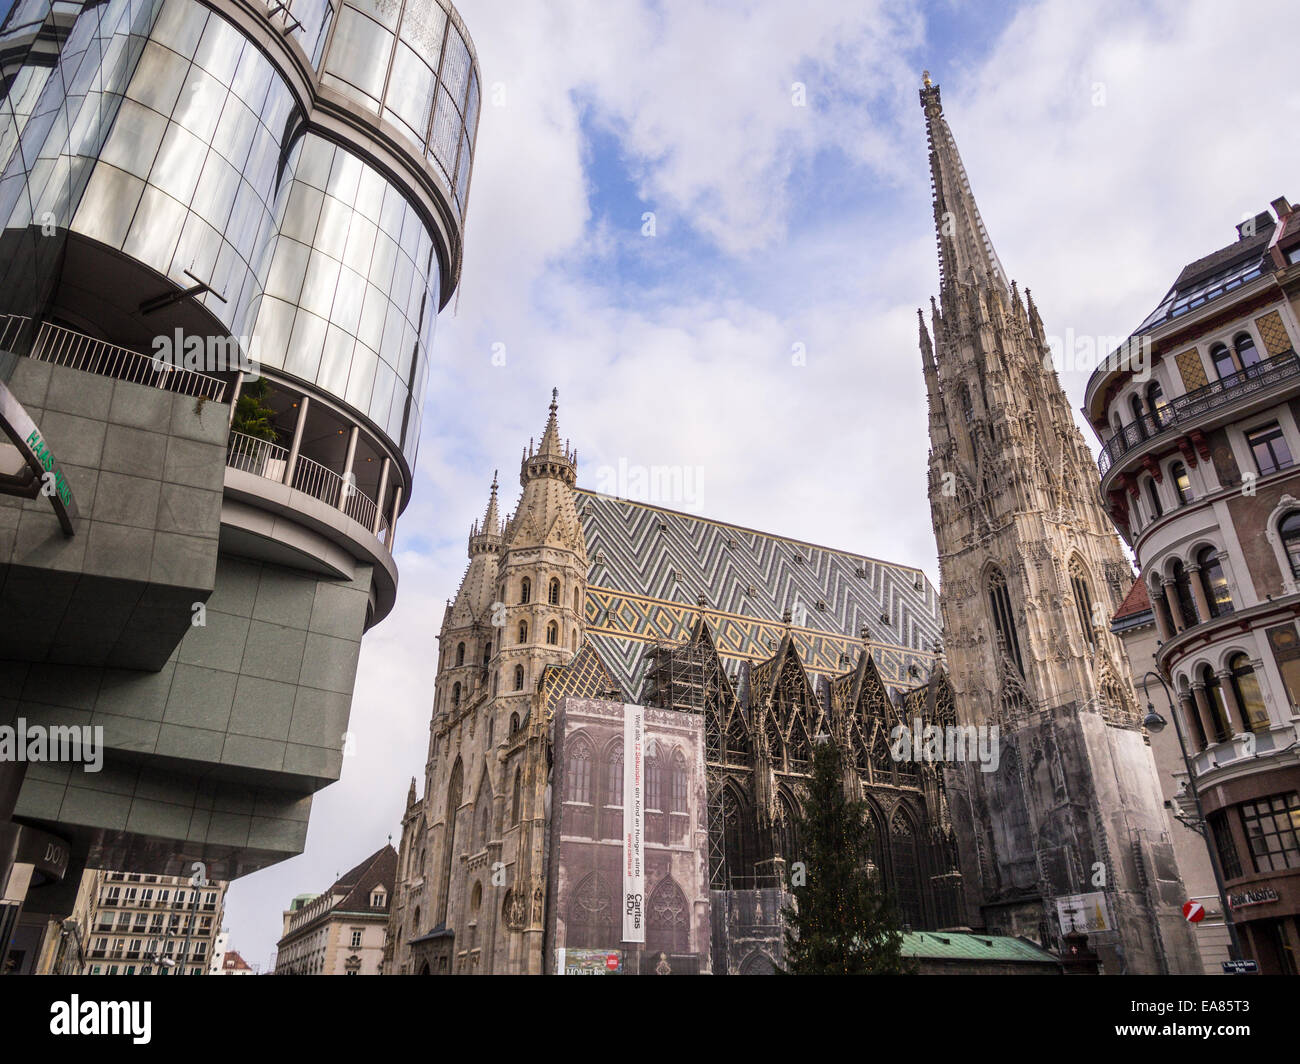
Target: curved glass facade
166 134
410 62
351 289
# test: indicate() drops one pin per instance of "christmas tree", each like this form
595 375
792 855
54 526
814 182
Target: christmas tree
842 922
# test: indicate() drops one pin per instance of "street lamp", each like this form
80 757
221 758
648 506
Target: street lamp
1154 722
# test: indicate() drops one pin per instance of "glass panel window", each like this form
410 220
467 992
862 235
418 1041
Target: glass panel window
1289 527
1270 449
410 92
1272 827
1223 362
1182 484
359 52
1247 355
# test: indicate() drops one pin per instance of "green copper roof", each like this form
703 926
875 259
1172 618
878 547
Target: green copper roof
968 946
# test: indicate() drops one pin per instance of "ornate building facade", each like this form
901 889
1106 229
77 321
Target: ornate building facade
585 596
1069 833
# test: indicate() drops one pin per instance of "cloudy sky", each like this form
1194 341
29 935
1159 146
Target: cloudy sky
1107 145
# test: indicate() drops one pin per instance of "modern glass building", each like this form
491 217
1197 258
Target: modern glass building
190 553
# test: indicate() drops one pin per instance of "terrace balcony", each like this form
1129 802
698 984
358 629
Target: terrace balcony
323 467
1191 410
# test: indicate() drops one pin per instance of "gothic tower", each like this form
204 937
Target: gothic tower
1030 573
471 878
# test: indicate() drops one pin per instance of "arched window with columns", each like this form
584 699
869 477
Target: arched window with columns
1214 583
1182 588
1218 707
523 631
1245 686
553 592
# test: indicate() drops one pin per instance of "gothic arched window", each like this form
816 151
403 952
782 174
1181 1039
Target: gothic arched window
523 631
591 915
577 601
1082 600
525 590
553 634
907 870
553 592
1245 685
1004 620
449 837
460 654
678 783
487 652
1213 582
579 764
1289 529
667 919
483 814
737 840
654 791
455 696
787 832
519 677
514 717
614 776
515 796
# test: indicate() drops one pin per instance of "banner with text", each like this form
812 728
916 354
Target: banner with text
633 824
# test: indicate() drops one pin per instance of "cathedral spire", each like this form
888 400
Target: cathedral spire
551 458
966 254
487 535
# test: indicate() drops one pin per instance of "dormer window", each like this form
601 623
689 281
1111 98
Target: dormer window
378 899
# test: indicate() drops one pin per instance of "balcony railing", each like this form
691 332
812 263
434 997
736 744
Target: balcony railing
269 460
1187 408
63 347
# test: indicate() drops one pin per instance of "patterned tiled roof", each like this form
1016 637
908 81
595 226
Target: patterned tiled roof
649 567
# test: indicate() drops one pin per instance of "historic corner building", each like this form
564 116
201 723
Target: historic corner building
745 647
287 185
1068 836
1198 467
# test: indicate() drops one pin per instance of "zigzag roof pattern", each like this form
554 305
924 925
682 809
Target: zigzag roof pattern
649 567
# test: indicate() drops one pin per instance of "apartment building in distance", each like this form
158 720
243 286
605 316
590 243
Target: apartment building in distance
341 932
128 923
1198 469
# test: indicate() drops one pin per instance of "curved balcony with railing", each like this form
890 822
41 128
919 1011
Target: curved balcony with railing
271 461
1192 409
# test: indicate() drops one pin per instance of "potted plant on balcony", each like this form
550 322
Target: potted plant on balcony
254 418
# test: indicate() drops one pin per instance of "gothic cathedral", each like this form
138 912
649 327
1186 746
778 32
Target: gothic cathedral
1069 834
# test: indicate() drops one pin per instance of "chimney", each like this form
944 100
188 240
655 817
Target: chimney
1281 207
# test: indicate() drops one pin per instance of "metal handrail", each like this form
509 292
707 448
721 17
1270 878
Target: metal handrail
265 459
64 347
1184 408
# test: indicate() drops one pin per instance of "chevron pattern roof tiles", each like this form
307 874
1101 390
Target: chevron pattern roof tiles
648 567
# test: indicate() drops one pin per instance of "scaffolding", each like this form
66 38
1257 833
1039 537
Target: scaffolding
688 677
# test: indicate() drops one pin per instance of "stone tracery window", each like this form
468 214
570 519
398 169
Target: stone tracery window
525 590
1004 620
1083 600
553 592
591 915
579 768
667 919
